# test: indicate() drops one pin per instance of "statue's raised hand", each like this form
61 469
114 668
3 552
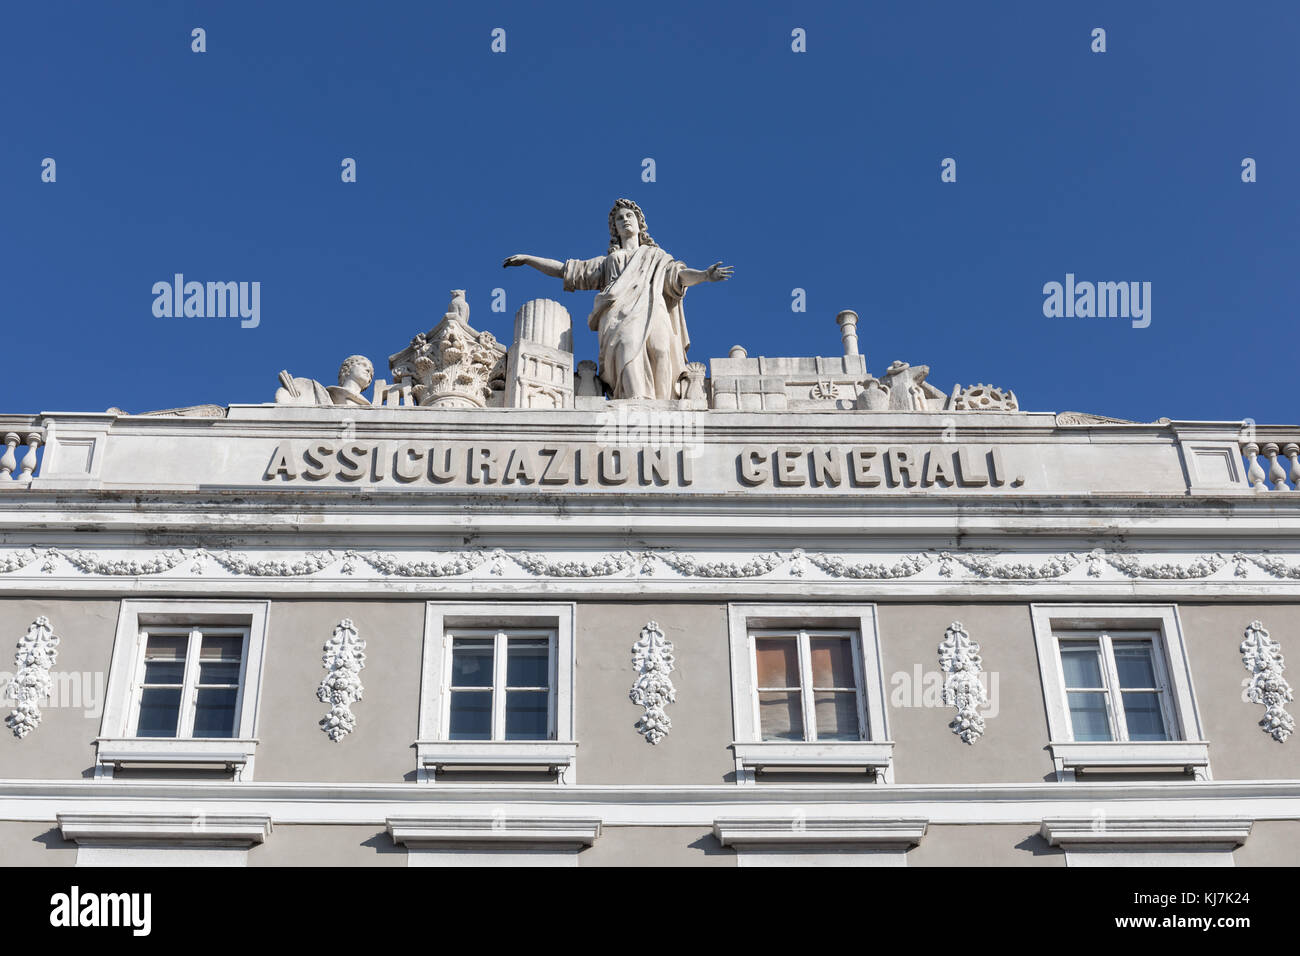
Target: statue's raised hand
514 261
718 272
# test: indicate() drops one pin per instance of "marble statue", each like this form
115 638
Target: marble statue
355 375
638 311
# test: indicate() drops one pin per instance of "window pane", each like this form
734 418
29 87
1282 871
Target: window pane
222 648
163 648
1081 663
832 662
159 709
471 715
780 715
528 663
471 663
214 712
778 662
1143 716
222 673
837 716
164 672
1088 716
1133 662
526 713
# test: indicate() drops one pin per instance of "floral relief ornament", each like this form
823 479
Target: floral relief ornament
341 687
37 650
960 659
652 658
1262 656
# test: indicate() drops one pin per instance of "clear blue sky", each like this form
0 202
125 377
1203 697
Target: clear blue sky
818 170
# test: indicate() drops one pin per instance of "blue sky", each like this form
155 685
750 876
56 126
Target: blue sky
816 170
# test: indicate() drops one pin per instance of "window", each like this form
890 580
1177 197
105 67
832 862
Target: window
1114 686
1118 690
189 682
497 692
183 687
500 686
807 691
807 685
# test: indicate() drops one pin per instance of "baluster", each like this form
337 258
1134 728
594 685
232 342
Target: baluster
29 459
1291 451
1276 474
7 461
1256 474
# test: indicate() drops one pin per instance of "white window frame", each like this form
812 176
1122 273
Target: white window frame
1186 749
755 755
190 678
444 620
807 695
118 746
500 649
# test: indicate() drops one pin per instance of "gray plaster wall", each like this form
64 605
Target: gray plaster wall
656 846
62 746
23 843
1239 749
1014 844
338 845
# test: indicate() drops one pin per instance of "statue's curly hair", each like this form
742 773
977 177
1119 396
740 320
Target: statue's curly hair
354 361
614 240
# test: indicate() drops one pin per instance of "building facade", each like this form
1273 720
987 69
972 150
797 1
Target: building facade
489 615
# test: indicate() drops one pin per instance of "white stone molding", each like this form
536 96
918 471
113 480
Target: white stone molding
952 566
959 656
752 832
37 651
652 658
345 656
500 829
1159 840
802 840
1262 656
233 830
982 398
454 365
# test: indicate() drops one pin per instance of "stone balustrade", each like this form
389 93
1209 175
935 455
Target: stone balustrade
1272 473
23 439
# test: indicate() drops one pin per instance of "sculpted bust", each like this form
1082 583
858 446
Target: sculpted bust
638 312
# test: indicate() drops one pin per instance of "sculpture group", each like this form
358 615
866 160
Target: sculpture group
642 345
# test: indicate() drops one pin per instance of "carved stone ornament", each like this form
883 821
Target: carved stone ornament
37 650
983 398
341 687
652 658
453 366
1262 656
959 656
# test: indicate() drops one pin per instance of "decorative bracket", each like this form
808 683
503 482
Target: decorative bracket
37 650
341 687
959 656
652 658
1262 656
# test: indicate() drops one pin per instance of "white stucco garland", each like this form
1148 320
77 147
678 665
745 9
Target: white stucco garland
959 656
37 651
1262 656
972 565
652 658
345 656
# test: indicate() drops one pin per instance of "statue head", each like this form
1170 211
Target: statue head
615 238
358 369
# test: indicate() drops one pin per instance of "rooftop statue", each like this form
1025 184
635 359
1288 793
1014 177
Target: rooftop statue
638 312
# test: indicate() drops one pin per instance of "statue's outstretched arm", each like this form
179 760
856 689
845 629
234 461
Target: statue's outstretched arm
714 273
550 267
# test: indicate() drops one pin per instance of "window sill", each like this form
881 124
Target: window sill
770 755
207 753
552 756
182 829
1188 755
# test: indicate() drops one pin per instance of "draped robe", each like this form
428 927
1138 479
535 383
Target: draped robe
638 318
